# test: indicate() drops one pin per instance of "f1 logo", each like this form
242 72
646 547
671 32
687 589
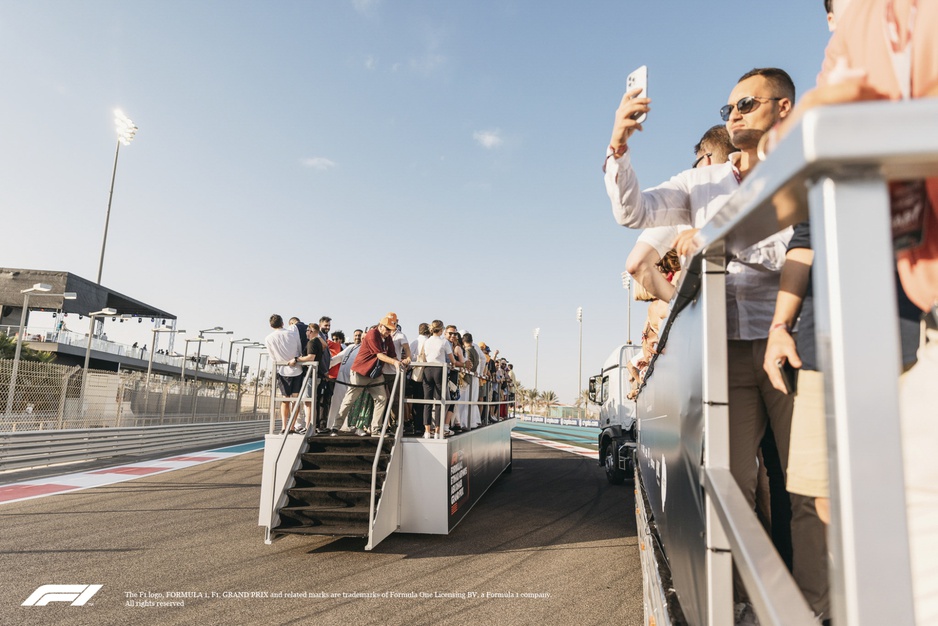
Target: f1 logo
78 595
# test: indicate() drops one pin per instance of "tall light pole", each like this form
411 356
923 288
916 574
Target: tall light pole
125 134
198 361
146 396
257 376
41 290
537 334
185 354
627 284
202 333
244 350
231 346
84 373
579 378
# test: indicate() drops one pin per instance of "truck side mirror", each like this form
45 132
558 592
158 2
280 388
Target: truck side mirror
592 390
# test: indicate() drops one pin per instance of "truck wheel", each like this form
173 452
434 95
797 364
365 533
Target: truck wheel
611 463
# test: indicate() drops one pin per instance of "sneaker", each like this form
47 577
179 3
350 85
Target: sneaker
743 615
361 432
427 435
334 433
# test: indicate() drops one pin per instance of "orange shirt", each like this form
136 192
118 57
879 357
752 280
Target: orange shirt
861 42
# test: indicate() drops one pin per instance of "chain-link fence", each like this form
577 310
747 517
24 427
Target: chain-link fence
49 396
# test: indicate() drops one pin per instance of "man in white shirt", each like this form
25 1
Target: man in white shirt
346 357
713 148
760 99
283 345
413 416
476 358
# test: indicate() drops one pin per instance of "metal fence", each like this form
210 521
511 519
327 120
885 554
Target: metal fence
49 396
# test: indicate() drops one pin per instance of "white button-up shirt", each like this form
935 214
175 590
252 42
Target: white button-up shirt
284 345
693 197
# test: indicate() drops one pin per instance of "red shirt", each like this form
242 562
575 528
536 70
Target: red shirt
372 344
334 348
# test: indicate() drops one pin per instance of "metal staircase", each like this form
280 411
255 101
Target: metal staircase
332 490
331 485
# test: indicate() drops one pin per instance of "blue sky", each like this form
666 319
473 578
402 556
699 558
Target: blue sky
350 158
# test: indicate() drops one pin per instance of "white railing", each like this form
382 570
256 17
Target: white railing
445 399
80 340
827 168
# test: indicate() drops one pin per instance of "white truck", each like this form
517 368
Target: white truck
617 415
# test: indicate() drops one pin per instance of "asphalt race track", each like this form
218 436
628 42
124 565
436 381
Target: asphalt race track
550 543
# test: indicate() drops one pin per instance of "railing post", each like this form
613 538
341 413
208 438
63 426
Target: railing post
854 270
272 376
719 560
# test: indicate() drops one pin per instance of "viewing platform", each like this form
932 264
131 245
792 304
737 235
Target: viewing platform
69 344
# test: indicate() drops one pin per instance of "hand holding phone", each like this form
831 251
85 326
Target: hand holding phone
630 114
789 376
638 80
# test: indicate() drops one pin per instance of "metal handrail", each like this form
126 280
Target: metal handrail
312 368
444 395
398 383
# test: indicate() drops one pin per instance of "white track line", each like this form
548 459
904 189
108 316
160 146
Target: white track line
48 486
591 454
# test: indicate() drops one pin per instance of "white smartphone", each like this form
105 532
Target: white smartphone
638 78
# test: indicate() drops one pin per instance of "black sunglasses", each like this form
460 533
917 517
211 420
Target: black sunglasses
743 105
701 158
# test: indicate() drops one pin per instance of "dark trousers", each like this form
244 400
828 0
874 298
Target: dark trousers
395 398
432 390
324 399
415 392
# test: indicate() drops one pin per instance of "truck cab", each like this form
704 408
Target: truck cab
617 414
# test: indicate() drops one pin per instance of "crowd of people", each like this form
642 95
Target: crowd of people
880 49
355 382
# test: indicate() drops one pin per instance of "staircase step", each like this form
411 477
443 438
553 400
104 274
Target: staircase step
292 516
325 497
329 531
346 460
335 479
347 443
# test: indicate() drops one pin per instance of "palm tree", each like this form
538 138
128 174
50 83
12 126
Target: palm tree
519 392
549 398
583 401
8 351
530 396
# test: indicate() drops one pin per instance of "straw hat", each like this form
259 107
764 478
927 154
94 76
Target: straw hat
389 321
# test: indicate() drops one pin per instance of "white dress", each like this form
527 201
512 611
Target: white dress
462 410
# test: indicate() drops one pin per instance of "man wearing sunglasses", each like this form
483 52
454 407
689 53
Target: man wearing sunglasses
760 99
